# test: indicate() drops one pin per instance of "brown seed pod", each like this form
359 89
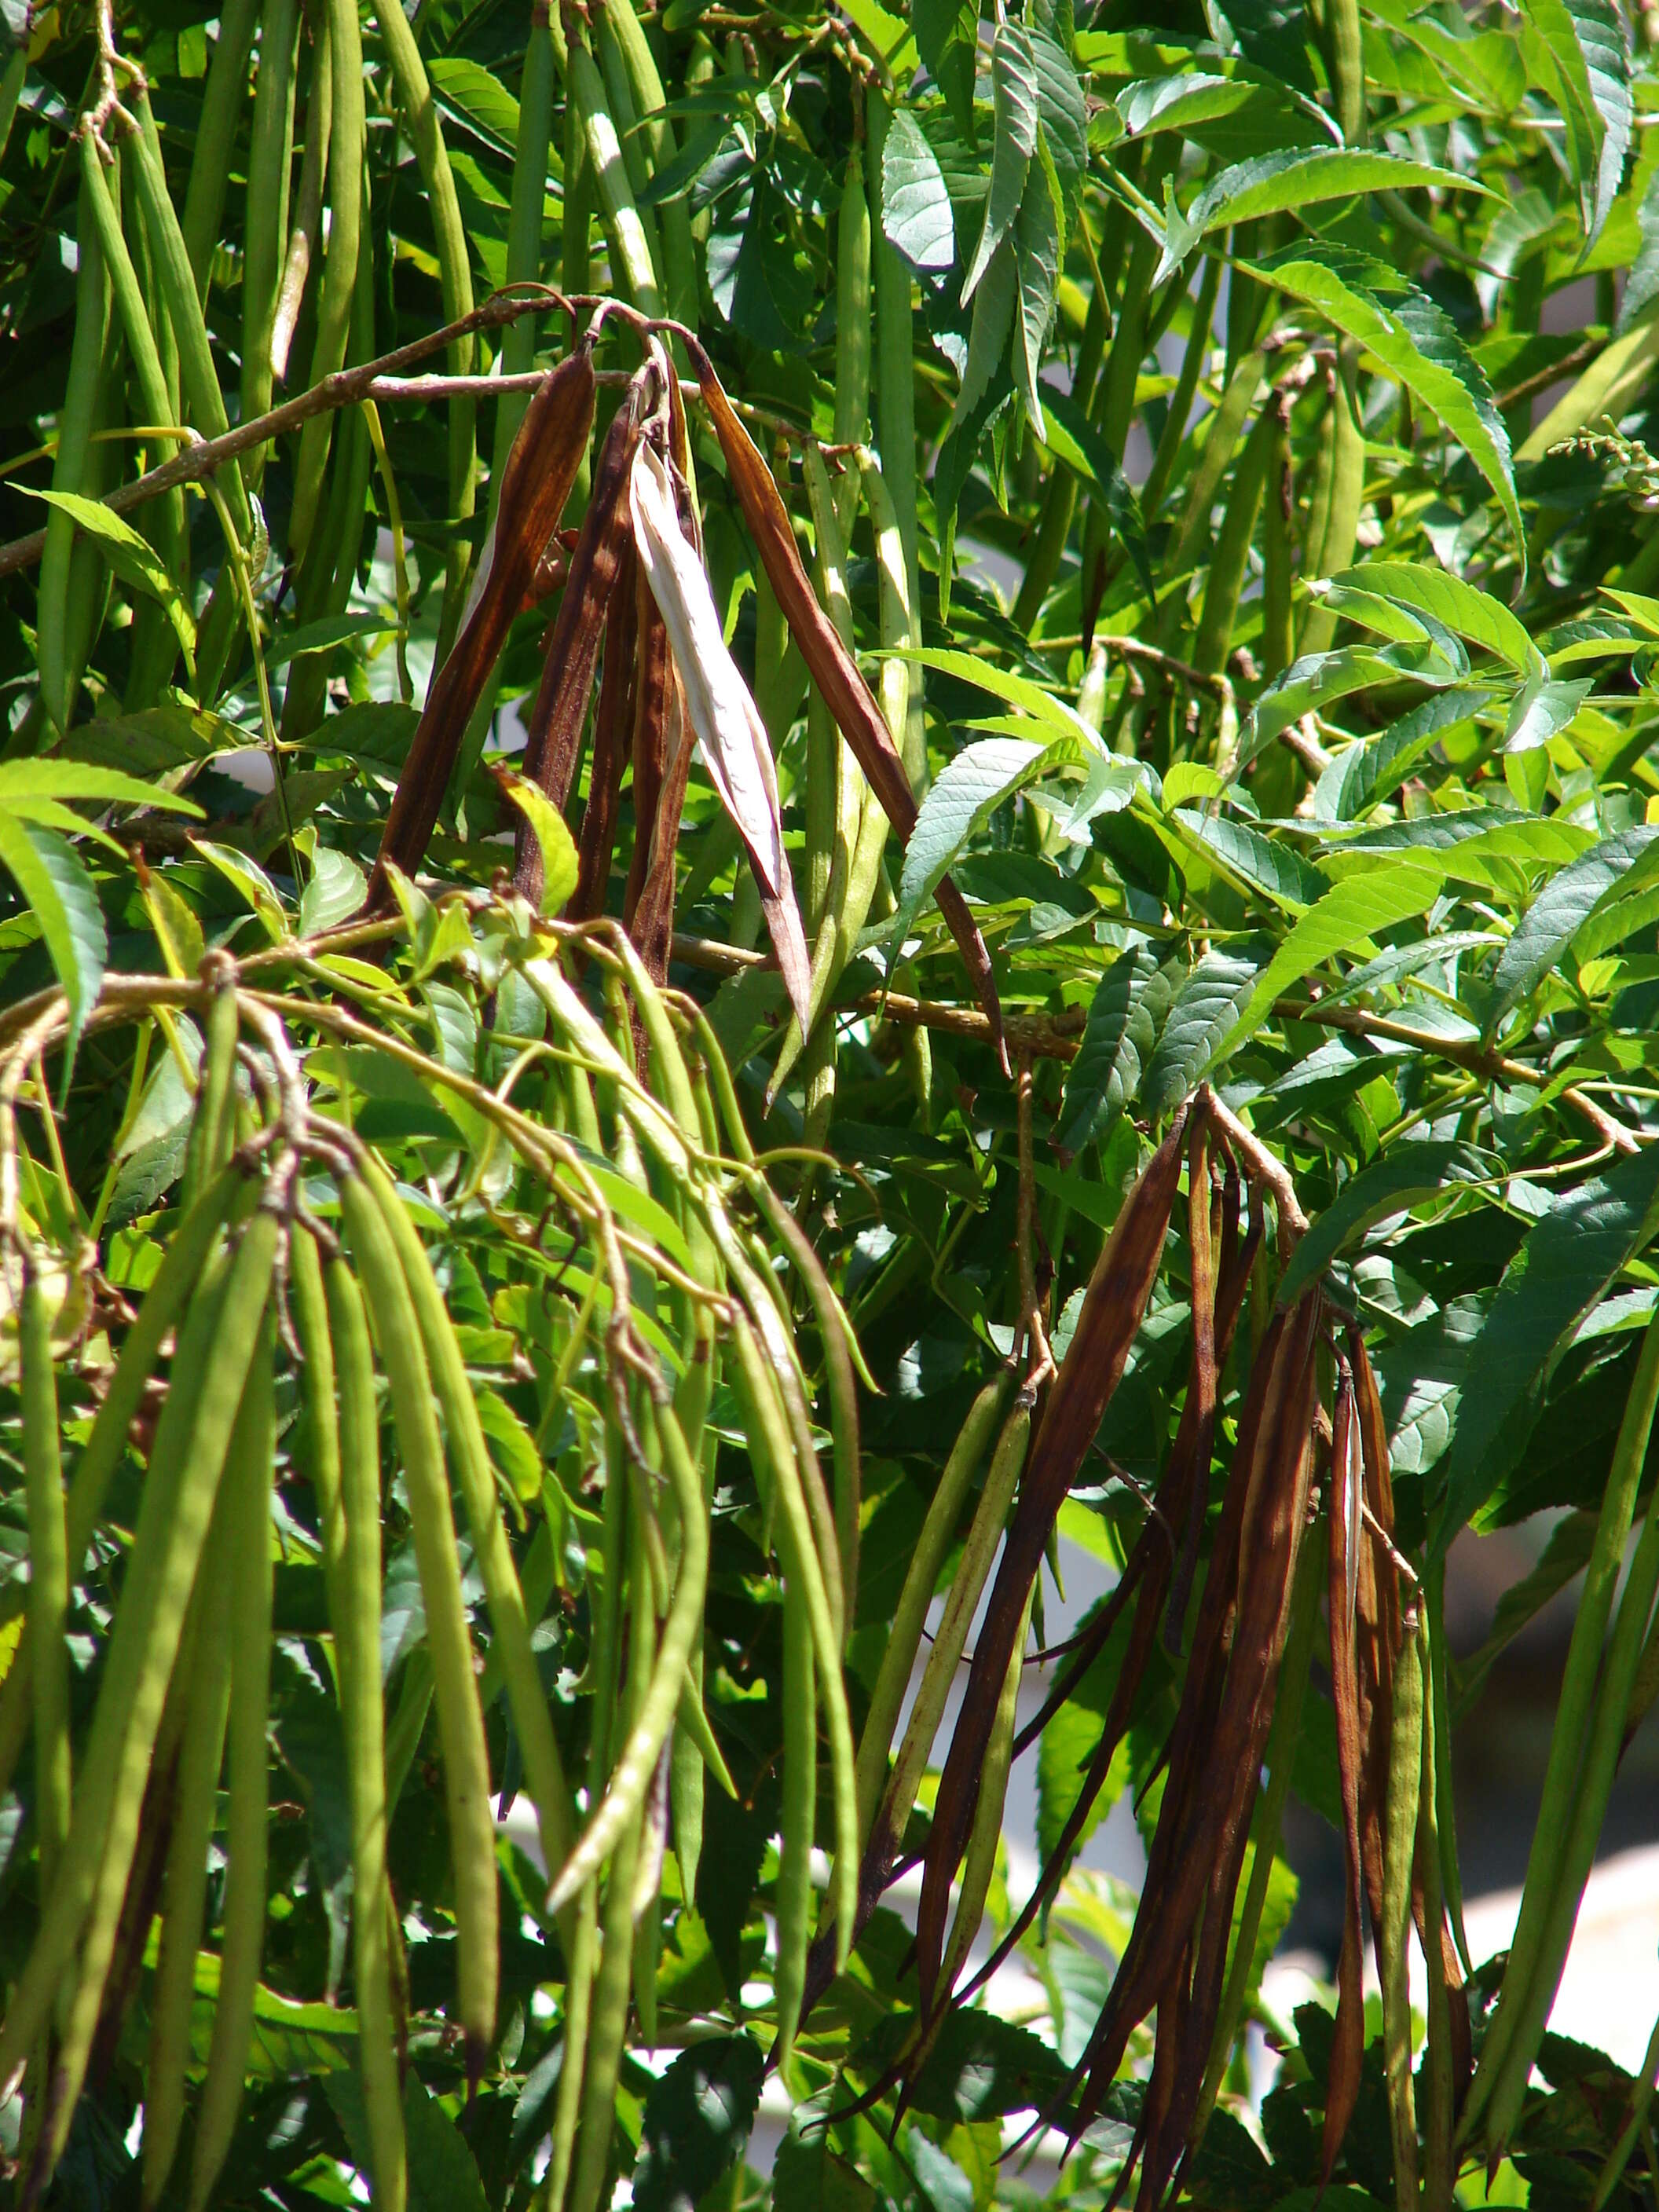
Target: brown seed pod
1347 2050
554 734
613 719
536 483
662 761
833 667
1111 1314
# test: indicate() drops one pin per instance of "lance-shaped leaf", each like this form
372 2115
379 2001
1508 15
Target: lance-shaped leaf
1550 923
133 558
1014 103
535 485
1575 51
58 892
833 668
915 207
726 724
1415 342
1268 184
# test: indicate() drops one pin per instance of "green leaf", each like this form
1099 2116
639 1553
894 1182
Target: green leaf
915 207
1575 51
1559 1276
1259 863
24 783
476 97
249 878
1345 920
987 338
560 867
1037 259
1554 917
1022 691
334 893
1473 614
133 558
1408 1174
1365 774
1205 1009
1063 117
698 2119
58 892
1117 1042
1415 343
1073 440
1319 679
1270 183
1014 123
969 791
946 34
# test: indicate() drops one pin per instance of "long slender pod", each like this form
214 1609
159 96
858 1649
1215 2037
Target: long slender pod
1338 496
524 228
979 1862
633 270
216 137
455 277
59 676
1439 2072
186 1463
345 1359
252 1466
607 2026
658 133
265 231
800 1792
184 1895
1398 1859
927 1556
766 1426
1574 1711
460 1722
347 151
475 1478
308 225
48 1553
895 417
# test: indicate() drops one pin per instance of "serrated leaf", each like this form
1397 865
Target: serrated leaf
1559 1276
1576 49
987 334
1118 1038
334 893
1014 125
946 34
1367 772
969 791
916 206
1344 921
1472 613
133 558
1060 721
1256 861
1037 259
58 892
1413 1172
1063 117
1270 183
1073 440
1319 679
1542 709
1203 1011
1566 902
698 2119
1415 343
476 98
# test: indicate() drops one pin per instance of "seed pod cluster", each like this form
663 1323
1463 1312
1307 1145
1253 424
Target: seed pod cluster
295 1276
1241 1618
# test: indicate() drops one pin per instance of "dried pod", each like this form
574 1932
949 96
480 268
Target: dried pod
833 667
554 734
535 485
613 720
1343 1522
1111 1315
662 759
